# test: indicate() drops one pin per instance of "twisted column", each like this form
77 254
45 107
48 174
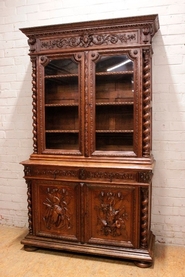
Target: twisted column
29 200
146 103
144 217
34 105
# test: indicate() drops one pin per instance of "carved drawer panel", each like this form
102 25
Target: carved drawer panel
67 173
56 209
51 172
112 215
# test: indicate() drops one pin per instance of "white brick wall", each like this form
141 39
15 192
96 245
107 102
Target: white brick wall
168 214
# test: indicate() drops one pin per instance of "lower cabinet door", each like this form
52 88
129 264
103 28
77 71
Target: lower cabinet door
112 215
56 209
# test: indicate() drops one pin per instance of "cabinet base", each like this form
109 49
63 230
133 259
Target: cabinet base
30 248
142 257
143 264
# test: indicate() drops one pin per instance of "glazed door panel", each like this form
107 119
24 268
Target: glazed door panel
112 215
61 104
115 103
56 209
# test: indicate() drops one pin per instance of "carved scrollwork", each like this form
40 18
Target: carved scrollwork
94 55
133 53
145 177
112 214
44 60
78 56
86 40
57 213
81 174
27 171
55 173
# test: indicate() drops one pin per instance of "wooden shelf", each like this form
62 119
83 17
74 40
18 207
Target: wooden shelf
114 131
62 104
115 103
115 73
61 76
62 131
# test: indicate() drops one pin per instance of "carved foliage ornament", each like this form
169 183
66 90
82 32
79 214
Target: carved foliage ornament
87 40
81 174
145 177
112 214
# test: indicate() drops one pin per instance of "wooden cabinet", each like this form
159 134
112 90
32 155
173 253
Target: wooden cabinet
89 177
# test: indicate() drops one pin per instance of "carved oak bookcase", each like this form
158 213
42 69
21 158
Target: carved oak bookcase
89 177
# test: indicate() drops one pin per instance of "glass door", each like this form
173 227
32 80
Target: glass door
62 99
114 104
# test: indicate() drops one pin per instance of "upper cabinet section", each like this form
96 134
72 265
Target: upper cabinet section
92 88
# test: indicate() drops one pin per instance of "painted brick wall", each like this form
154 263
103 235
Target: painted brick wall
168 214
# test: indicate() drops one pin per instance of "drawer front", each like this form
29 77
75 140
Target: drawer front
66 173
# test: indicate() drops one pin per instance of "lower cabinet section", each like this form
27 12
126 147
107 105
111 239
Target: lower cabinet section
100 218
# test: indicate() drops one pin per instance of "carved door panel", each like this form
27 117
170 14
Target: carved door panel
56 210
112 215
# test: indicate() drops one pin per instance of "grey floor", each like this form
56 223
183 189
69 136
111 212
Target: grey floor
15 262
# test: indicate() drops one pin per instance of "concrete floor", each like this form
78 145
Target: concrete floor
15 262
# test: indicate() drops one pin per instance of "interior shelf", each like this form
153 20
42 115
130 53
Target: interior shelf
114 131
62 131
61 76
115 73
115 103
62 105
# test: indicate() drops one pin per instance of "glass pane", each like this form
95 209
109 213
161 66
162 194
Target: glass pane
61 67
62 105
114 103
114 64
61 90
